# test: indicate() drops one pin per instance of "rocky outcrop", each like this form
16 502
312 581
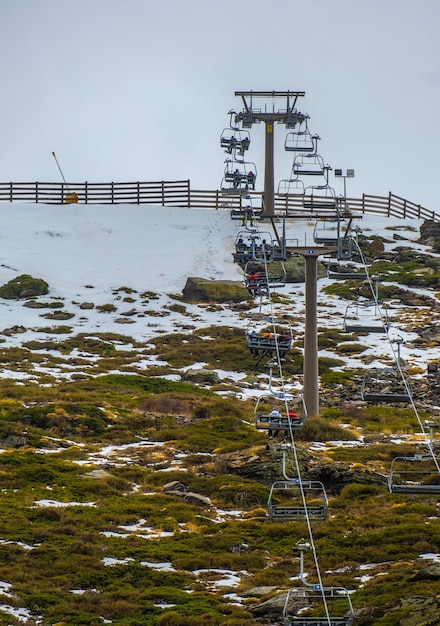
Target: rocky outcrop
421 611
430 235
201 376
205 290
24 287
176 488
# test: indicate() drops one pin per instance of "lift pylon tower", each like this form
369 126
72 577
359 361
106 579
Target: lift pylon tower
288 116
310 367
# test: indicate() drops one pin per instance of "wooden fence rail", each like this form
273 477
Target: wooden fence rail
178 193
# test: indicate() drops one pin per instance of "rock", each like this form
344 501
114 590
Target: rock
175 485
205 290
201 376
33 304
196 498
86 305
274 606
24 287
176 488
296 268
376 246
14 330
420 611
59 316
14 441
264 590
432 572
430 235
191 497
130 313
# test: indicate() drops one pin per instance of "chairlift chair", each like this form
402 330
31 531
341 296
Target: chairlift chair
292 185
294 500
247 246
338 271
302 602
301 141
334 231
417 474
309 165
364 317
320 198
246 214
234 140
386 385
262 278
289 419
264 344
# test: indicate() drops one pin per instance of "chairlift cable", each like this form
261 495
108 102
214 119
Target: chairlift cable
397 361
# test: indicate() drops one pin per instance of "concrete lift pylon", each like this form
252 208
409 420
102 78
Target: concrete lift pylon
290 117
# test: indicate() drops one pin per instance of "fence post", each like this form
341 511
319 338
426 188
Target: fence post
36 192
11 192
138 190
189 193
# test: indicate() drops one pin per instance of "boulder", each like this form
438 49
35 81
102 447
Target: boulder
205 290
175 485
207 377
296 269
24 287
430 235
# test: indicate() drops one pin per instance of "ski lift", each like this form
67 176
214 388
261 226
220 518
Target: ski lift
291 413
233 140
291 186
293 500
239 176
326 231
247 244
301 141
339 271
306 605
259 279
309 165
303 604
320 197
417 474
386 385
267 343
335 231
247 214
365 317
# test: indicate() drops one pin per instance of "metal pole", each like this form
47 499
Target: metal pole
269 209
61 171
311 380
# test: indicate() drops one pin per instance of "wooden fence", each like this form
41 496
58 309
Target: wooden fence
179 193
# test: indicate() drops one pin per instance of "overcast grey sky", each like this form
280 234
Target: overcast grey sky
140 89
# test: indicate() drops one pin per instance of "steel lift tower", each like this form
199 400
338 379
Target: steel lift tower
289 116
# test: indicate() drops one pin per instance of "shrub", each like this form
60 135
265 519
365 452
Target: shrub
106 308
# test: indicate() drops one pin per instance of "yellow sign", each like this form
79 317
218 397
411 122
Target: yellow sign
269 128
71 198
